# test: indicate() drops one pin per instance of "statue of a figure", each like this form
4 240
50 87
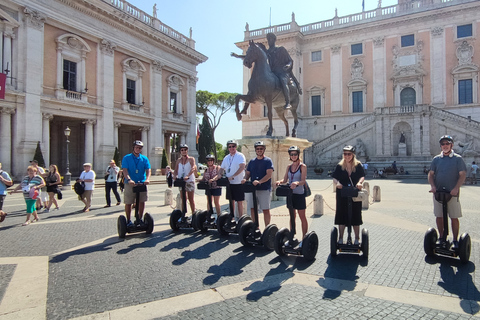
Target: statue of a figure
247 27
293 16
402 137
360 148
379 4
466 148
155 10
191 31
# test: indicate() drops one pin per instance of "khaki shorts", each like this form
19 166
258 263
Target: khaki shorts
190 186
129 197
87 194
264 198
453 206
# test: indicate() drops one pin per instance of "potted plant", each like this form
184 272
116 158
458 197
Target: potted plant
164 162
318 170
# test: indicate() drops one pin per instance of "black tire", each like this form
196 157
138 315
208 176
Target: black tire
246 230
280 238
176 214
310 246
464 248
364 246
268 236
148 220
429 241
221 222
333 242
194 220
201 217
122 226
241 221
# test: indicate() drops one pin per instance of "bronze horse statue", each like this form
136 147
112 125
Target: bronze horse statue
265 87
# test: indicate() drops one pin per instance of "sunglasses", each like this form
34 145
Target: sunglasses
293 154
183 150
445 143
348 154
259 149
209 159
230 147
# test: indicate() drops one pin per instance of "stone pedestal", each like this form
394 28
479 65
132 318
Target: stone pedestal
376 194
168 197
402 149
276 149
318 205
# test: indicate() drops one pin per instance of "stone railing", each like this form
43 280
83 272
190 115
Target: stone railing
402 109
459 121
354 19
153 22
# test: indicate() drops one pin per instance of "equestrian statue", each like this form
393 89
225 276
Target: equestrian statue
272 82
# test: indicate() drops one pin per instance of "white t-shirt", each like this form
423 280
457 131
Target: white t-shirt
231 164
474 168
87 176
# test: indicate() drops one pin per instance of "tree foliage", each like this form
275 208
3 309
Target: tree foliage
205 141
39 156
117 158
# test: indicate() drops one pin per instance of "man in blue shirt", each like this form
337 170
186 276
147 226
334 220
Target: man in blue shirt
5 182
136 170
260 170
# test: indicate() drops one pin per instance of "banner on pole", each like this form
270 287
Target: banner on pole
3 80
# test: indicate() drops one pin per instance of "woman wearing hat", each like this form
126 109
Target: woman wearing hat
349 172
31 186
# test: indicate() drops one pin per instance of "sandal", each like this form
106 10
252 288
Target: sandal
35 220
26 223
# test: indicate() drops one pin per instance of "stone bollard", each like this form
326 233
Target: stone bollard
168 197
365 195
318 205
179 202
366 186
376 194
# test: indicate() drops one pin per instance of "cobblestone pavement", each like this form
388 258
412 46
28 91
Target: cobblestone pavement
73 265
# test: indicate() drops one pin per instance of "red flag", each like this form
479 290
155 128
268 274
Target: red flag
3 80
198 133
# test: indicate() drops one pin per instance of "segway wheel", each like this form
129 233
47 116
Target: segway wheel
364 246
241 221
176 214
222 221
310 246
464 248
280 238
246 230
201 217
194 220
122 226
333 241
429 241
148 220
268 236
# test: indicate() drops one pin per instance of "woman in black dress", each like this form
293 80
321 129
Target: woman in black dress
349 172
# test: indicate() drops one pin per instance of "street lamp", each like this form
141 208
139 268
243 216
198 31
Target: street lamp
68 176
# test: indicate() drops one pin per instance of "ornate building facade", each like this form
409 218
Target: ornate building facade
390 80
105 69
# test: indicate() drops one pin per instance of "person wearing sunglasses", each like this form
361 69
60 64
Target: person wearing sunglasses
348 172
447 172
208 176
185 169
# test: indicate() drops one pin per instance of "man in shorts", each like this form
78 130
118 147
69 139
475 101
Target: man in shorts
5 182
447 172
87 177
260 170
234 166
136 170
474 169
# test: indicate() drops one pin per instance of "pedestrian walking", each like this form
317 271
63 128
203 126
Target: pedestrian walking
111 177
169 175
41 172
52 180
88 178
474 169
5 182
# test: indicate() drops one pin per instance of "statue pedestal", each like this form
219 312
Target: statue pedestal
402 149
277 150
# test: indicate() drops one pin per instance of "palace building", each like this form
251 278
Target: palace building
106 70
390 81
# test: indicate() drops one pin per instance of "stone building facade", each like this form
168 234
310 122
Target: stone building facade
105 69
405 72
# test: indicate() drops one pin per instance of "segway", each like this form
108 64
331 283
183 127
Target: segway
178 218
206 219
349 192
444 246
285 241
249 233
226 223
139 225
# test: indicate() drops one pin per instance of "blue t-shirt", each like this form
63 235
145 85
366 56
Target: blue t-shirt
3 187
258 170
136 167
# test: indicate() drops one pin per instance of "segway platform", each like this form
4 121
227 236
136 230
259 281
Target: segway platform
145 225
178 218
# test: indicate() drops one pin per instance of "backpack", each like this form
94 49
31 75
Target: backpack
79 187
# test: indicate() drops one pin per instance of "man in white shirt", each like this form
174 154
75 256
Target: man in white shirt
88 177
474 169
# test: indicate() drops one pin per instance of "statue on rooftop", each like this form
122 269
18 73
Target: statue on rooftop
155 10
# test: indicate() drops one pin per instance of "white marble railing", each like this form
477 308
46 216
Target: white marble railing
140 15
402 109
457 119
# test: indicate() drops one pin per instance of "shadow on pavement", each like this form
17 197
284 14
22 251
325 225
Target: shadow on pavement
270 283
343 267
185 241
151 242
204 251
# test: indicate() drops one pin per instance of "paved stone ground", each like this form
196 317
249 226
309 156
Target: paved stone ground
93 275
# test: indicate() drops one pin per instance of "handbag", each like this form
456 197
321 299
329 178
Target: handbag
59 194
307 192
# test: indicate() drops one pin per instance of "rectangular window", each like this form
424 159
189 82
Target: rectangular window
265 111
131 91
69 75
408 40
316 56
173 102
316 106
465 92
357 101
464 31
357 49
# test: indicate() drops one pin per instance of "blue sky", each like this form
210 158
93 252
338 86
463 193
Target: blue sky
218 24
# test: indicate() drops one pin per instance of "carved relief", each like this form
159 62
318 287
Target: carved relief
357 69
464 53
34 18
378 42
336 49
107 47
437 31
192 81
408 62
175 81
157 65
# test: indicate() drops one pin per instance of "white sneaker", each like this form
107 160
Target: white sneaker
46 210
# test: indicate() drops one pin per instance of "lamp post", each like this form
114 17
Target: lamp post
68 176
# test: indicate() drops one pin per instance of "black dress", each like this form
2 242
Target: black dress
341 214
51 178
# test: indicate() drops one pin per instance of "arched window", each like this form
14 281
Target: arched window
408 97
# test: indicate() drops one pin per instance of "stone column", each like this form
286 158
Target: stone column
6 140
46 118
89 139
8 36
115 134
157 141
416 137
336 79
426 136
145 140
379 136
379 73
438 66
191 135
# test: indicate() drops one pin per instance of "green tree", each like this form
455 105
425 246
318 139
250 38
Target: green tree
39 156
220 151
213 106
205 141
164 159
116 157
